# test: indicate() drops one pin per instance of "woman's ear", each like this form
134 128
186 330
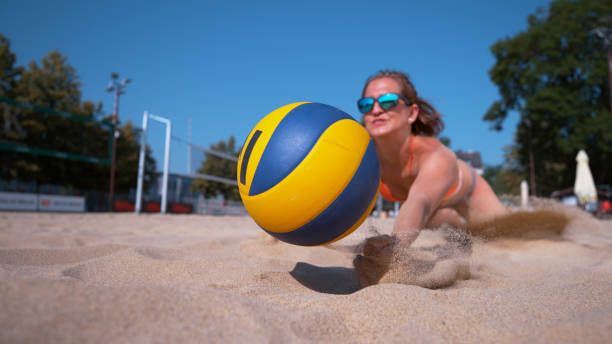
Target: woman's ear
414 113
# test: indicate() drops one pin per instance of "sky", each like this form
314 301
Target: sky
226 64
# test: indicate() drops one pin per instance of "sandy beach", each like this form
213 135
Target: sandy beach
124 278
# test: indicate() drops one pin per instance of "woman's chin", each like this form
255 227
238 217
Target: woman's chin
380 131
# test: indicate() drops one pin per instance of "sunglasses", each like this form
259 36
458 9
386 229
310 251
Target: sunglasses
386 102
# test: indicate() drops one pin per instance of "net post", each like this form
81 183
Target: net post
189 146
141 163
166 167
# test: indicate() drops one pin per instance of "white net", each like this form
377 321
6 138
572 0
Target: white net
214 178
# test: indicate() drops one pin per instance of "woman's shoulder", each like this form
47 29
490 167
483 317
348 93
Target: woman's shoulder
430 146
433 152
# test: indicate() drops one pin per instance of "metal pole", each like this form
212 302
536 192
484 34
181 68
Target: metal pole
609 46
166 160
166 166
141 162
177 190
189 146
116 87
111 192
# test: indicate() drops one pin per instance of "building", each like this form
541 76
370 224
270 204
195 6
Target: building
472 158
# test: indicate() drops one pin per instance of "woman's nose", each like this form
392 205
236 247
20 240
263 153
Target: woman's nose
376 109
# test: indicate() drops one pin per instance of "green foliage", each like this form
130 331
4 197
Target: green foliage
9 73
502 181
492 176
445 140
54 84
506 179
555 75
11 129
219 167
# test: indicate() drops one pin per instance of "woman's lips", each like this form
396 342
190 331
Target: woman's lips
378 121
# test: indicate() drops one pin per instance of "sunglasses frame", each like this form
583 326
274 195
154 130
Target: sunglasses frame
376 100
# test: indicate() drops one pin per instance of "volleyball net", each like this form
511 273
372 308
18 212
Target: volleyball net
208 186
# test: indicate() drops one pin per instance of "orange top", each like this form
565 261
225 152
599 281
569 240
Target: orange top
386 192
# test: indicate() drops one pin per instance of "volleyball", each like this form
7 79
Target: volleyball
308 174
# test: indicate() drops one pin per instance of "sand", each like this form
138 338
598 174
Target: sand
123 278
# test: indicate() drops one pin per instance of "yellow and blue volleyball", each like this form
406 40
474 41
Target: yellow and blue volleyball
308 174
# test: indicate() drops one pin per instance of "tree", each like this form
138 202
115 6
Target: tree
555 76
11 128
219 167
55 85
9 73
505 178
445 140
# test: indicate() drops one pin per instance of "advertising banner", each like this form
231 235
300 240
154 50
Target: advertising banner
61 203
18 201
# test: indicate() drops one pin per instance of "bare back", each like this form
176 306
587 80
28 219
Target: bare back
434 171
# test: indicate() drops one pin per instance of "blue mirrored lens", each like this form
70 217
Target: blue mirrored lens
365 104
388 100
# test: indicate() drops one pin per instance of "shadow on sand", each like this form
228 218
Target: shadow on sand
330 280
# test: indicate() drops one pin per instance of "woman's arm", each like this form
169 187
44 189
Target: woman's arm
436 175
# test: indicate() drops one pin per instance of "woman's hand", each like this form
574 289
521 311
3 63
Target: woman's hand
405 236
377 256
380 246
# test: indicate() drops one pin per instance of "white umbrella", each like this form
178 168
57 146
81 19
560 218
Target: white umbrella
584 187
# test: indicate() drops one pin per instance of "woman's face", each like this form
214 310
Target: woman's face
380 122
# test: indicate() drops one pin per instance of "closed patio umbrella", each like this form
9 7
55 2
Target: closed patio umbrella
584 187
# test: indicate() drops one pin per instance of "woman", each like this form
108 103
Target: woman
434 186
